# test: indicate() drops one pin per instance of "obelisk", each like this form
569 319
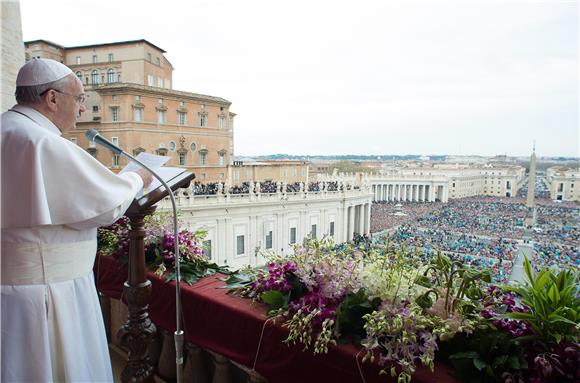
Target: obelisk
530 201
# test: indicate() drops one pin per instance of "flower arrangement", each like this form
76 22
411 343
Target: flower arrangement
159 241
403 312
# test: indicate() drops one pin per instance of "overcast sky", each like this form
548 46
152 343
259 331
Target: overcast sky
359 76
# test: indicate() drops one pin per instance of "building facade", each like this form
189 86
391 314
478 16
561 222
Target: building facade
440 182
131 102
277 171
242 227
563 183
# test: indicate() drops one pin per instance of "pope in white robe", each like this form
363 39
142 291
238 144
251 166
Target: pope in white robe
54 196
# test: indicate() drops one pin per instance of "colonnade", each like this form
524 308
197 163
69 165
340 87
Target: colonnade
415 192
357 220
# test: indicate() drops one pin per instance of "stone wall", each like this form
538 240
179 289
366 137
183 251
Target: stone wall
12 50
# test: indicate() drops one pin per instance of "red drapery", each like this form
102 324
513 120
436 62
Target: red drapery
232 326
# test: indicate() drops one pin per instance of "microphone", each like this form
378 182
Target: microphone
93 135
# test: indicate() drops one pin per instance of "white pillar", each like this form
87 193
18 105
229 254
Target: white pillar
368 208
12 51
351 222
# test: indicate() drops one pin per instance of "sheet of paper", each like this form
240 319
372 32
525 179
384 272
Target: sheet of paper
153 161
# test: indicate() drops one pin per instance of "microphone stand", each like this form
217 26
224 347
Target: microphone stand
94 135
178 334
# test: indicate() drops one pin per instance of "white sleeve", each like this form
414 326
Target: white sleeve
114 214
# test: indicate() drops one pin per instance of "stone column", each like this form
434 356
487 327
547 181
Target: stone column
367 218
12 51
351 223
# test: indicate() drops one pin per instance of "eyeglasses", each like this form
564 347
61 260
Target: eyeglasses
78 98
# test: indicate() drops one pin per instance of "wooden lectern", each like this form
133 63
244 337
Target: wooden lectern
138 331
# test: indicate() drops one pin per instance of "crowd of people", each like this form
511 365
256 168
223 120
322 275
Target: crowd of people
435 239
483 231
552 254
264 187
388 215
495 253
474 216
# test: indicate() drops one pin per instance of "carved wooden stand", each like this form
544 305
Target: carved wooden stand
138 332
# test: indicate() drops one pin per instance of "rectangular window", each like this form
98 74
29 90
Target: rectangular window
181 116
202 158
115 114
202 121
269 240
313 232
94 59
222 122
78 61
181 159
207 248
116 161
149 57
115 140
149 80
95 108
138 114
160 116
110 57
332 229
222 159
159 82
240 245
158 62
73 140
292 235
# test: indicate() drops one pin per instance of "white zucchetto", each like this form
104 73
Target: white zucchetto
41 71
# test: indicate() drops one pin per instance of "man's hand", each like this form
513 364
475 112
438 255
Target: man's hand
145 176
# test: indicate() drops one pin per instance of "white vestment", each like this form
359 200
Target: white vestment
54 196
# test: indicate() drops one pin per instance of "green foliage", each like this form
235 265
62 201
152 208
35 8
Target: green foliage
350 313
554 306
192 271
240 279
459 285
486 355
275 300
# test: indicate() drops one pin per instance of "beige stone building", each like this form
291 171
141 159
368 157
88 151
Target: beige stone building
259 171
131 102
429 182
563 183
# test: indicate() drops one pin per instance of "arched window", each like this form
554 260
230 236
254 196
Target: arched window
95 77
79 75
110 75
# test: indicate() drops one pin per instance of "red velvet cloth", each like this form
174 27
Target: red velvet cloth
231 326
